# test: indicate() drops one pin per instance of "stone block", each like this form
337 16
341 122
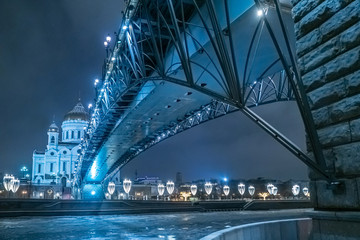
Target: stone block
318 16
301 8
355 130
335 135
347 159
328 94
329 29
321 117
345 109
344 198
353 83
314 79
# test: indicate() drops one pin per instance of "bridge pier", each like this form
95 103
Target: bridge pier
328 50
92 191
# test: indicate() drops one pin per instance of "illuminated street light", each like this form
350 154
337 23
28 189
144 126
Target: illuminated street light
127 185
274 190
161 189
269 188
108 38
295 190
259 12
251 190
306 191
15 184
208 188
193 189
241 188
89 106
96 82
111 188
7 182
226 190
124 27
170 186
106 44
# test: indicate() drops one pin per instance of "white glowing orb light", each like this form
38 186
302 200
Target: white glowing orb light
193 189
241 188
15 184
251 190
274 190
127 185
170 186
226 190
295 190
259 13
161 189
111 188
305 191
7 182
269 188
208 188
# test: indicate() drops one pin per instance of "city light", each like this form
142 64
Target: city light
251 190
108 38
106 43
295 190
208 188
226 190
264 195
274 190
161 189
96 82
7 182
127 185
170 186
241 188
93 192
124 27
193 189
259 13
306 191
111 188
269 188
225 179
89 106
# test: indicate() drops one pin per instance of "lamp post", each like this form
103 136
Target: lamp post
127 186
241 189
161 189
7 182
251 190
106 45
111 188
193 189
226 190
170 187
295 190
208 188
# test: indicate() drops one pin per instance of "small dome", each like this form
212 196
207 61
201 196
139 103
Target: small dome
77 113
53 128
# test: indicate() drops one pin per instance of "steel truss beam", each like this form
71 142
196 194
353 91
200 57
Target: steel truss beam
158 41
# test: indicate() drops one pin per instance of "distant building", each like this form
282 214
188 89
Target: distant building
55 165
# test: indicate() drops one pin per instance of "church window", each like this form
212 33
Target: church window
64 166
39 168
51 167
52 140
72 134
67 134
78 134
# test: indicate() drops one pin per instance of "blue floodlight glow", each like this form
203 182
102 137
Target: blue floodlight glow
124 27
225 179
93 192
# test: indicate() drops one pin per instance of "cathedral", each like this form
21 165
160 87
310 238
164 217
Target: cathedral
55 166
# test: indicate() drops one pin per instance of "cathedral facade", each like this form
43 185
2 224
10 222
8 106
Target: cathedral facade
56 164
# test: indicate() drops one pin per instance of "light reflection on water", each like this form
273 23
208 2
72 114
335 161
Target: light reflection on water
178 226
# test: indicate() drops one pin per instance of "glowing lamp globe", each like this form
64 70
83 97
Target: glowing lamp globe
127 185
193 189
295 190
269 188
251 190
305 191
15 184
170 186
7 182
208 188
111 188
226 190
241 188
274 190
161 189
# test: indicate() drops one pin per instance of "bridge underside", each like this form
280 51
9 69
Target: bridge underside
170 71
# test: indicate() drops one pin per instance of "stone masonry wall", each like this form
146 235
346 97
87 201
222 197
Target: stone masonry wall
328 50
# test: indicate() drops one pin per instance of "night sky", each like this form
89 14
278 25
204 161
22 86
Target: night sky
51 52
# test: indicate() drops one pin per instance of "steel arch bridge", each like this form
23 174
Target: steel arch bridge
178 63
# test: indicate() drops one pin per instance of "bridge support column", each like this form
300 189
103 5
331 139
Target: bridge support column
91 191
328 50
